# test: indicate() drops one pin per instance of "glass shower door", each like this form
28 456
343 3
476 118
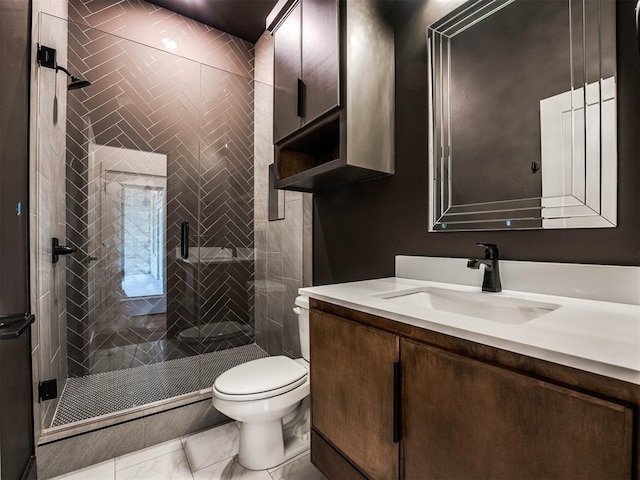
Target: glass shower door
132 179
226 243
125 262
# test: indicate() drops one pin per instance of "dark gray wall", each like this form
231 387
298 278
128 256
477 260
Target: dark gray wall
358 230
14 152
16 414
484 68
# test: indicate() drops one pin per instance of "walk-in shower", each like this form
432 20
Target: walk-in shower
157 143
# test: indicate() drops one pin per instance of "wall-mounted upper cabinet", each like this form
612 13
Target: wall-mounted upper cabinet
333 92
287 75
306 77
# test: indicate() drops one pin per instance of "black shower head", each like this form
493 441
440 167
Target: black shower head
75 81
47 58
74 85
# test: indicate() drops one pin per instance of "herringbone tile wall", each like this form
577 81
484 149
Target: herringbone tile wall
226 195
157 27
201 118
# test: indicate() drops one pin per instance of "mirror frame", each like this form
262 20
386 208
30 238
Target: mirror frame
592 107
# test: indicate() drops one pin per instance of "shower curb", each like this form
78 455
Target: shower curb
71 453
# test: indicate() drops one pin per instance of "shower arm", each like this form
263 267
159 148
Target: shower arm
72 77
47 58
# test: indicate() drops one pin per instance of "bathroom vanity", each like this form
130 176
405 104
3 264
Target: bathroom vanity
403 389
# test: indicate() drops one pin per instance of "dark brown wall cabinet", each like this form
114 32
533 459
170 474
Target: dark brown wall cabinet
458 409
306 53
333 98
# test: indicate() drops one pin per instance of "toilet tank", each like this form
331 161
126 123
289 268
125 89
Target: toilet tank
302 310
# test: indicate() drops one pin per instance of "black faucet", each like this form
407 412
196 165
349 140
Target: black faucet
491 281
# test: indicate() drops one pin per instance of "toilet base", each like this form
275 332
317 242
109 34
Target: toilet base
268 444
261 445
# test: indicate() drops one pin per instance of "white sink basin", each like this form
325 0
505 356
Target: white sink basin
488 306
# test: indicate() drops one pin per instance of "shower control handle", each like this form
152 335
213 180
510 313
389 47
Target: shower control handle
184 240
57 250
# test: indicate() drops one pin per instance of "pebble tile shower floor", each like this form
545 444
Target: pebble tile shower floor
103 393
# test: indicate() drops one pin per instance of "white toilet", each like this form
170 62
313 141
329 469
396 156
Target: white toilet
268 397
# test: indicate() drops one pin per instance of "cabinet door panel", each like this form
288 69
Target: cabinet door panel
467 419
286 74
352 391
320 57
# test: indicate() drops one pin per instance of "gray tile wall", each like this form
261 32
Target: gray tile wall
283 247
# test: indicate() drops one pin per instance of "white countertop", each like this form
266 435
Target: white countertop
595 336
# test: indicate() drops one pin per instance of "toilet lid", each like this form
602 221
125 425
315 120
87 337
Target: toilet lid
261 378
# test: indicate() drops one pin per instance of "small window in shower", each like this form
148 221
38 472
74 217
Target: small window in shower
142 240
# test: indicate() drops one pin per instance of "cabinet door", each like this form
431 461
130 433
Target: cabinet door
286 75
352 391
466 419
320 57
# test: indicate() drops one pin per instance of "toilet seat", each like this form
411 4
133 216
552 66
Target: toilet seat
258 379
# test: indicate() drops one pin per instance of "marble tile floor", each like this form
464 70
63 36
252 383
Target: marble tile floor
207 455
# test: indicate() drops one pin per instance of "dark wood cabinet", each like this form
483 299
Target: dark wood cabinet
467 410
333 92
286 73
352 404
320 58
467 419
306 76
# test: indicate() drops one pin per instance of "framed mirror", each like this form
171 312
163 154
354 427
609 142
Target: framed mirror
522 115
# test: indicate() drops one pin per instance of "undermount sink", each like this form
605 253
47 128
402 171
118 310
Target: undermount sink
479 305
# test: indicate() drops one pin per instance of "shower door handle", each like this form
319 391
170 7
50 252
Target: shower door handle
184 240
57 250
13 326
